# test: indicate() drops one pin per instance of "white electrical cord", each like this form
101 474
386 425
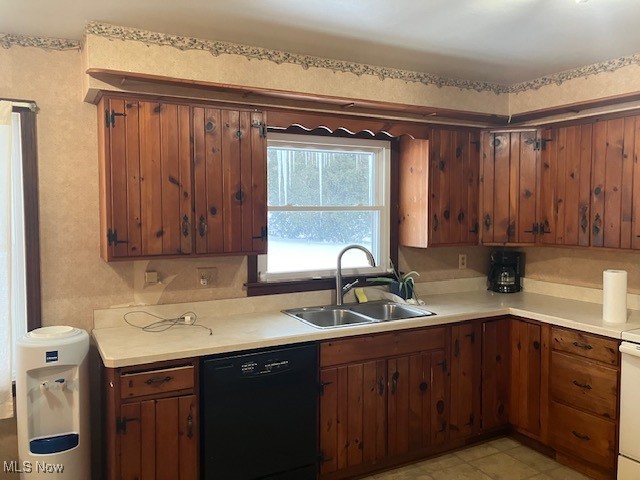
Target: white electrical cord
187 319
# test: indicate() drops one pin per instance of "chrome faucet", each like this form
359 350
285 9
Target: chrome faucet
340 289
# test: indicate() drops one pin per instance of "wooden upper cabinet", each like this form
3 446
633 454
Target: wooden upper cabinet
615 201
160 162
439 188
509 187
565 180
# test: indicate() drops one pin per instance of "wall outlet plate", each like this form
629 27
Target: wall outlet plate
462 261
151 278
207 277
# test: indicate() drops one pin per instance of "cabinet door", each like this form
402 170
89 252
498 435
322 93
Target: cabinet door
526 366
230 181
565 185
465 380
613 204
496 373
353 415
160 440
413 229
417 402
147 184
509 187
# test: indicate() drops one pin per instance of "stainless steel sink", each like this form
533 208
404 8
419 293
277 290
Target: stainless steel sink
328 317
332 316
384 312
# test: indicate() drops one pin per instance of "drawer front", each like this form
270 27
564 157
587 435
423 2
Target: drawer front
368 347
156 381
584 384
585 345
580 434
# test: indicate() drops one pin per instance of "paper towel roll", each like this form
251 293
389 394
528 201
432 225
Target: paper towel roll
614 296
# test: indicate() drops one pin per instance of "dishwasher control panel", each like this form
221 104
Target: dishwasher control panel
252 367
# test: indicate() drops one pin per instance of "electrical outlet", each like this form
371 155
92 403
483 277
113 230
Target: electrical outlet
207 277
462 261
151 278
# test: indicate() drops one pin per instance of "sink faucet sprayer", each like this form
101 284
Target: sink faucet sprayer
340 289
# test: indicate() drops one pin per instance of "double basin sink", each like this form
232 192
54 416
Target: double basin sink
332 316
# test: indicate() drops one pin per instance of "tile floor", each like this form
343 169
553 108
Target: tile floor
500 459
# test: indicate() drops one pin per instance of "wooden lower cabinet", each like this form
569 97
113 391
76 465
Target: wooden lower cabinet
382 398
465 373
496 373
584 401
152 422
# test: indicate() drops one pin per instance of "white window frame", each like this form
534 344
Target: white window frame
382 174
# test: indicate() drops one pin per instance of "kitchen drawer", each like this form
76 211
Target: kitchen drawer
585 345
156 381
584 384
366 347
582 435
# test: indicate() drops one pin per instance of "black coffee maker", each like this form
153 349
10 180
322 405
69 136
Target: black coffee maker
506 270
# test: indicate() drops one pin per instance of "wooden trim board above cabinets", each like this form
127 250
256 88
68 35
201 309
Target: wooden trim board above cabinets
180 179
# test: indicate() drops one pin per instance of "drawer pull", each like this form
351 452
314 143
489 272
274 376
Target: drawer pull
586 346
581 436
158 381
190 426
582 385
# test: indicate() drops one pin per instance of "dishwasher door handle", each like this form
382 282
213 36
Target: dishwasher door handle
630 348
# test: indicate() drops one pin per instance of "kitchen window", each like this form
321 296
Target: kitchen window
324 193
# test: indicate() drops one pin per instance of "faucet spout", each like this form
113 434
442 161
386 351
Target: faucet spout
340 289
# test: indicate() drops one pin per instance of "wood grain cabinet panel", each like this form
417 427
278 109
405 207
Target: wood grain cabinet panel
465 373
439 188
496 373
180 179
508 185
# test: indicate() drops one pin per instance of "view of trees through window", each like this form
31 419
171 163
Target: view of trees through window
319 201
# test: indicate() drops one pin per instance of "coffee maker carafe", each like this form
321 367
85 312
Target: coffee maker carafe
505 271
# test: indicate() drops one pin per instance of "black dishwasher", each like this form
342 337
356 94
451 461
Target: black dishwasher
259 415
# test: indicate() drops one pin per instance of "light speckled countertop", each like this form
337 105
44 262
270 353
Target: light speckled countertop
124 345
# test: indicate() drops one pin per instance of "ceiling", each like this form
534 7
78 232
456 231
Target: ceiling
501 41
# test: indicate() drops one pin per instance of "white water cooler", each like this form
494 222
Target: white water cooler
52 403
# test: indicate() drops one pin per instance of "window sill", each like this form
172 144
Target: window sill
255 289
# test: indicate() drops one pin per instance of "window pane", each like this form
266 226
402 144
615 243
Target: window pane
310 241
316 177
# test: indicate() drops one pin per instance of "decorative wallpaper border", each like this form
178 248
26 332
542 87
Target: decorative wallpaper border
8 40
278 56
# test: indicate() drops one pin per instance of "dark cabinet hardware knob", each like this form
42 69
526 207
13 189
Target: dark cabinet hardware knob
186 226
582 345
424 386
202 226
597 224
158 381
584 223
586 386
535 229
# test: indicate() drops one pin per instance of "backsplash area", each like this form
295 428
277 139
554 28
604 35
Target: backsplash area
581 267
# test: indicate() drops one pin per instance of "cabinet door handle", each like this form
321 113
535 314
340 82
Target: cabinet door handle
487 221
597 222
202 226
186 226
475 229
582 345
394 382
190 426
436 223
159 381
581 436
586 386
584 223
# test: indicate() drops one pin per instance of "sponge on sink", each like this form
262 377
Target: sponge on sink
360 295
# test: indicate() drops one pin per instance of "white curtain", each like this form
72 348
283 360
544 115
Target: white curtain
6 398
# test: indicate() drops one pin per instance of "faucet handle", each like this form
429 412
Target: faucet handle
349 286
